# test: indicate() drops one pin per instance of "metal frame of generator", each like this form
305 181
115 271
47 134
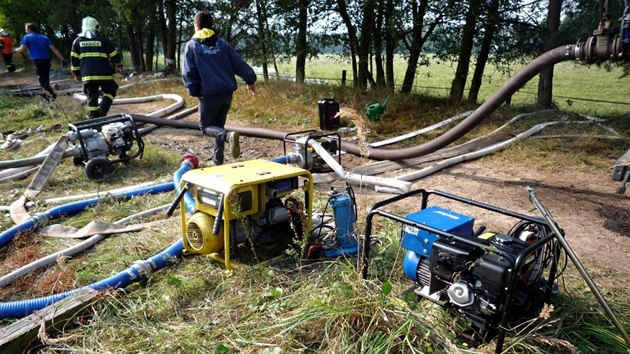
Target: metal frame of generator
101 137
500 266
226 194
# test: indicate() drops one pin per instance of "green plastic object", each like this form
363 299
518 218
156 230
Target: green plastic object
375 110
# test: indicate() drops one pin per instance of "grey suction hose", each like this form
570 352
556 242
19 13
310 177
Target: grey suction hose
35 160
70 251
587 278
10 173
147 129
532 69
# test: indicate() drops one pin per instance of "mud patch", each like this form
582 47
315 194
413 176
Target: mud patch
616 220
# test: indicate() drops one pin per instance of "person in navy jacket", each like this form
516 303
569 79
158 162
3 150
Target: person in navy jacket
209 69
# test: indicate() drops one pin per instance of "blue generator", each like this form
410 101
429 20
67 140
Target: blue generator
418 243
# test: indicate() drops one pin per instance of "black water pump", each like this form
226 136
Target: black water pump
489 277
101 138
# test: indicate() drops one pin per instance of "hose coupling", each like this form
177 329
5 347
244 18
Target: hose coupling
142 267
191 159
40 219
602 46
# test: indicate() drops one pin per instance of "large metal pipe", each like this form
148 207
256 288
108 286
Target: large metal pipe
532 69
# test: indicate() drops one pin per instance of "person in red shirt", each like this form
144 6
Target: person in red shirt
6 48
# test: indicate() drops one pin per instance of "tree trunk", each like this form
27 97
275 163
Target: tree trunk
171 35
301 49
484 51
418 12
545 81
260 20
364 45
272 52
352 38
134 49
180 41
162 26
150 39
140 38
378 45
463 63
391 40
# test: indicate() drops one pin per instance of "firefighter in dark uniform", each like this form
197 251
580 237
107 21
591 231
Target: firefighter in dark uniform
93 58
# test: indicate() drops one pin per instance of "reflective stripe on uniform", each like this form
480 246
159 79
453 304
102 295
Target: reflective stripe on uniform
93 55
95 78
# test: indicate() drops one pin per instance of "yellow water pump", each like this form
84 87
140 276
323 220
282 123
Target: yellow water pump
255 204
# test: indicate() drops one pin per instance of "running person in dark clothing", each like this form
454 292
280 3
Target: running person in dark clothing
210 64
93 58
39 48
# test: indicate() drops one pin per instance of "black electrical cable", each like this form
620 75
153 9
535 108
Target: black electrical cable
352 196
319 232
548 251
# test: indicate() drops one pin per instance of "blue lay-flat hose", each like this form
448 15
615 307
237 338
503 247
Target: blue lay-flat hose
37 220
21 308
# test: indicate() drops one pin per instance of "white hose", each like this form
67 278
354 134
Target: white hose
400 186
70 251
68 198
474 155
421 131
26 171
486 151
179 102
482 152
21 172
10 172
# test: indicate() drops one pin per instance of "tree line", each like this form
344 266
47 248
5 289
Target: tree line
370 33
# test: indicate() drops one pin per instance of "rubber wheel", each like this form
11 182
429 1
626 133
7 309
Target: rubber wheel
77 160
98 168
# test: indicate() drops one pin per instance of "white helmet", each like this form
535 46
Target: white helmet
89 26
3 32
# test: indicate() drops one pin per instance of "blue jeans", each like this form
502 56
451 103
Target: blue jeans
213 112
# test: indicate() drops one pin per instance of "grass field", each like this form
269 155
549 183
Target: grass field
577 88
293 306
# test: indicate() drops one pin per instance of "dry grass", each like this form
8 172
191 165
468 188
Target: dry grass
195 306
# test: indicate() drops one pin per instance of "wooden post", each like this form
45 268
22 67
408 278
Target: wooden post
343 78
17 336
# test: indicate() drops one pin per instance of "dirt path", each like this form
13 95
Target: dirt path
595 219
